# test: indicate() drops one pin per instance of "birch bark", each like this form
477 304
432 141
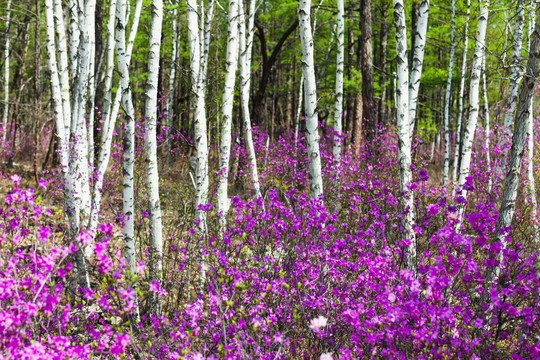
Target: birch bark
150 148
201 140
487 123
340 59
227 108
530 152
513 174
468 136
310 99
420 38
61 121
403 132
129 150
246 45
447 96
5 113
461 91
515 78
172 79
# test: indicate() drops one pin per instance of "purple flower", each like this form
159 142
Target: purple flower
423 175
42 184
16 179
432 209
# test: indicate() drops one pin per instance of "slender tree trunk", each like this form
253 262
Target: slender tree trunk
37 86
310 99
129 146
515 78
199 118
447 96
404 133
513 174
461 91
468 137
228 97
110 110
420 38
246 46
7 49
382 62
487 123
338 114
150 149
51 16
530 153
366 67
172 81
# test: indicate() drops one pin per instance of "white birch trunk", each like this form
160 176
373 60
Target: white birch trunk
5 113
487 124
74 32
228 98
447 97
205 38
461 91
513 174
403 132
71 209
110 115
515 78
129 150
172 80
246 45
150 148
299 108
310 99
530 153
338 114
109 124
468 136
201 140
420 38
79 132
63 69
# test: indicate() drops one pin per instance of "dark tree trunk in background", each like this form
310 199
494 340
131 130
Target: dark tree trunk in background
366 67
266 68
37 87
382 62
350 100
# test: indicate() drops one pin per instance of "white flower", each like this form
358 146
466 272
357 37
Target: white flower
317 323
326 356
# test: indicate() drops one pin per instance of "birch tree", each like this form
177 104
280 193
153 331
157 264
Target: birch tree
150 149
129 149
340 59
517 150
403 131
228 97
7 49
468 136
110 109
246 45
197 69
172 77
461 91
62 124
515 78
420 38
487 122
530 152
310 99
447 96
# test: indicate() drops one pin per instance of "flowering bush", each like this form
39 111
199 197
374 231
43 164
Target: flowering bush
38 319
